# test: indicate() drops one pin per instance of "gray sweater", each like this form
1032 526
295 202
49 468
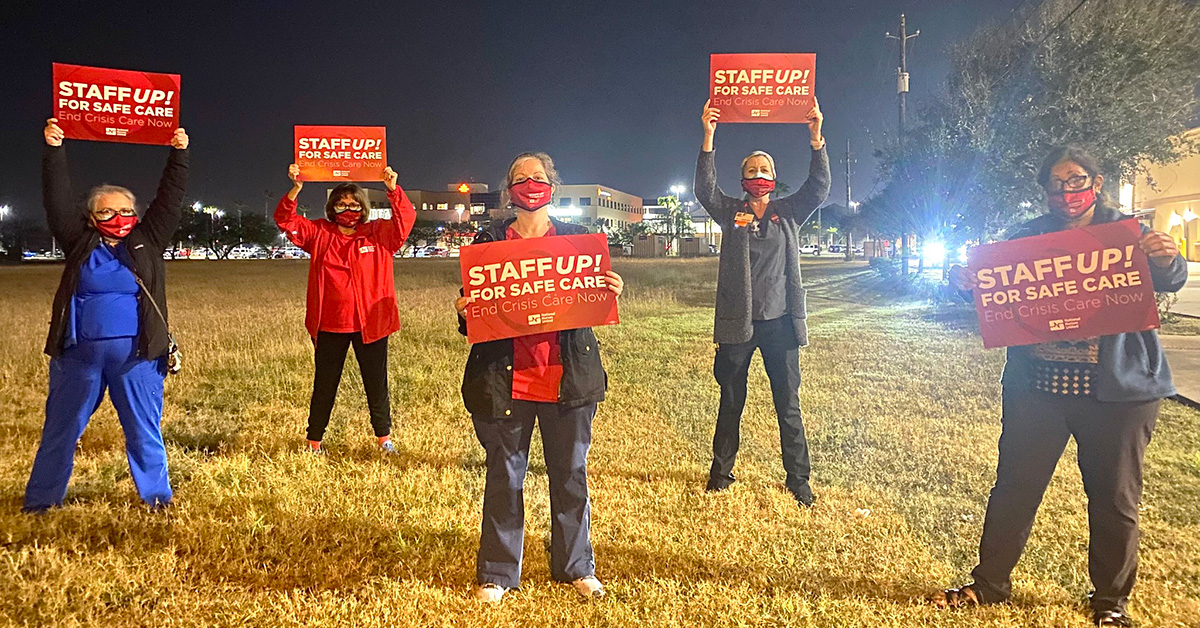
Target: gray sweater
733 322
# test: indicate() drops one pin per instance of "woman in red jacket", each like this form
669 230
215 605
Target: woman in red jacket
351 294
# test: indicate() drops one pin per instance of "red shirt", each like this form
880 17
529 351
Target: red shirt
537 361
368 257
339 307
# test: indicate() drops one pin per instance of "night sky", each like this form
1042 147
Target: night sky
612 90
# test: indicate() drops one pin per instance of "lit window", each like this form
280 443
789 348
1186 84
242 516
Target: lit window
443 206
459 207
424 205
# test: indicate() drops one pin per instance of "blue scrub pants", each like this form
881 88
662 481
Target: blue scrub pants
78 379
566 438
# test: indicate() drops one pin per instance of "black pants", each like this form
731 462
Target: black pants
776 339
372 363
566 438
1111 439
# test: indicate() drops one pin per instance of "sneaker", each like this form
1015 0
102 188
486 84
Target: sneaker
489 593
314 448
589 587
1112 618
388 447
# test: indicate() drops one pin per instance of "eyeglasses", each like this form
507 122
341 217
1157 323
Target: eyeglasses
107 213
343 207
1073 183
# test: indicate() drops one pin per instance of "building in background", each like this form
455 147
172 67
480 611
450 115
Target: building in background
459 202
1173 190
594 205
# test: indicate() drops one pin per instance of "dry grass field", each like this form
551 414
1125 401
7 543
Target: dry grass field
901 405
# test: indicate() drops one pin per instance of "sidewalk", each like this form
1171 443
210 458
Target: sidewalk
1183 354
1189 296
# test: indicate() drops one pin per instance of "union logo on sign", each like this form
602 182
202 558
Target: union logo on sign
759 113
535 319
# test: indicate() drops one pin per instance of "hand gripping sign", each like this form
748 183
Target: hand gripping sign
341 153
536 285
1067 285
108 105
762 87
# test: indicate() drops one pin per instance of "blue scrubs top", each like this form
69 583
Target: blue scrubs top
106 299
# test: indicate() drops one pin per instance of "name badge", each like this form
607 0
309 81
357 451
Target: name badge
743 219
370 248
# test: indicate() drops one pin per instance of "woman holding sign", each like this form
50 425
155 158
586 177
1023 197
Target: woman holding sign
760 298
108 329
351 294
1104 392
555 378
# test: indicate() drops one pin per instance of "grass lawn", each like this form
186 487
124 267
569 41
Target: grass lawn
901 406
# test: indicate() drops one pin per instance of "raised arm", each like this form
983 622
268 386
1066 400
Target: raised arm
801 205
392 233
298 229
67 222
162 216
714 201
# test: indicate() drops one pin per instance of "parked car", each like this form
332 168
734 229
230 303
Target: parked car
288 252
810 249
432 251
245 251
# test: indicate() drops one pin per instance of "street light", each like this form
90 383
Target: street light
677 190
197 206
4 211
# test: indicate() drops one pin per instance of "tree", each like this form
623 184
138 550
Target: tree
245 229
1117 77
424 233
14 231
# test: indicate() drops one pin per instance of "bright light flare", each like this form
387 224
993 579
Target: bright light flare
934 252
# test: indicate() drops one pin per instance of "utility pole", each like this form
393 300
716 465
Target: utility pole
902 91
849 209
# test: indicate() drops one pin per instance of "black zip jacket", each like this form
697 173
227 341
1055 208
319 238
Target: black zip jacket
144 246
487 379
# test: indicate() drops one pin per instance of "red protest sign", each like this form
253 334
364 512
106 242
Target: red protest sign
1067 285
762 87
108 105
341 153
524 287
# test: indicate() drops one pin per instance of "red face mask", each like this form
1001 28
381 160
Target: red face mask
116 227
530 195
348 218
758 186
1072 204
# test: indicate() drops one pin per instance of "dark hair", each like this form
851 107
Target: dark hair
359 194
1070 152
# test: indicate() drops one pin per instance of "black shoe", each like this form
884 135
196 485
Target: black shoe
804 496
1112 618
716 485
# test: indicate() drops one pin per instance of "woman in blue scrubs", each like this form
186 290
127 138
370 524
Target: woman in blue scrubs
105 332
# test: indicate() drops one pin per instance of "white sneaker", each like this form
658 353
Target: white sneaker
490 593
589 587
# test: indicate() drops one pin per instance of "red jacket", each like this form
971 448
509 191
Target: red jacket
371 269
